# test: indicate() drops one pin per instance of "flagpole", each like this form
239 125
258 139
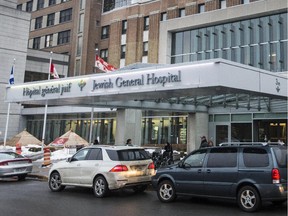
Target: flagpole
91 125
8 111
46 106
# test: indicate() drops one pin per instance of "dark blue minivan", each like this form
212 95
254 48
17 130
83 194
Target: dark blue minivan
248 173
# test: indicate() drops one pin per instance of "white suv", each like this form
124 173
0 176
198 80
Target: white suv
104 168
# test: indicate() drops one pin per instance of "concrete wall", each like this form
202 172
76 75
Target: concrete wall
14 27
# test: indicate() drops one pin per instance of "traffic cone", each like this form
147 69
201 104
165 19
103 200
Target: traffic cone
18 148
46 161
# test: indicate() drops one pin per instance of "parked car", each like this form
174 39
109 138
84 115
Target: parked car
104 168
246 173
13 164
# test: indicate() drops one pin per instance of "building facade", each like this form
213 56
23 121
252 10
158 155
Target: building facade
250 32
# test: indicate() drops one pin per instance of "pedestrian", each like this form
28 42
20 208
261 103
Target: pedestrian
204 142
168 151
96 142
129 142
210 143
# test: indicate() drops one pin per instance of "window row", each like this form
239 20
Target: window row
62 38
260 42
65 16
39 4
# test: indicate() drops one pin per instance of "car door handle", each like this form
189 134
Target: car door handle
208 171
199 170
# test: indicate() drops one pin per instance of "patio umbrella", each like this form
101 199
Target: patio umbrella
69 140
24 138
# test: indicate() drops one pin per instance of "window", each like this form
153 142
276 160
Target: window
82 4
49 40
95 154
50 19
222 157
81 23
146 23
222 4
108 5
62 1
181 12
79 46
163 16
145 48
124 26
123 51
65 15
52 2
40 4
29 6
36 43
104 54
64 37
196 159
80 155
105 32
201 8
38 22
19 7
245 1
255 157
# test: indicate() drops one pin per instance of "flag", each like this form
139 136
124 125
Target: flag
104 66
11 80
53 71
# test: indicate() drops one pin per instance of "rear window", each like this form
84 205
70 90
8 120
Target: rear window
222 157
9 155
281 156
255 157
128 155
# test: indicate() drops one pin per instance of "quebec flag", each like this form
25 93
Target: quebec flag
11 80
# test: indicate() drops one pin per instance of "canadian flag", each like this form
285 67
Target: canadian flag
104 66
53 71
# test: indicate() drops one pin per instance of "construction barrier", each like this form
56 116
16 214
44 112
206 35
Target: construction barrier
18 148
46 161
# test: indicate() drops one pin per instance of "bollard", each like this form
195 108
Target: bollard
18 148
46 161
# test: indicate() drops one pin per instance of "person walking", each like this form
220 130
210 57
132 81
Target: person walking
129 142
96 142
204 142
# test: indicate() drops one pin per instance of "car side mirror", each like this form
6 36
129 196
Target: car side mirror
69 159
180 164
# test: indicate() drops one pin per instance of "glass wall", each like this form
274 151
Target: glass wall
260 42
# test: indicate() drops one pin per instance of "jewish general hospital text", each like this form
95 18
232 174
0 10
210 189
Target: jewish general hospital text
148 79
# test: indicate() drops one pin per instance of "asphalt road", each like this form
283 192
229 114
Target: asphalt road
33 198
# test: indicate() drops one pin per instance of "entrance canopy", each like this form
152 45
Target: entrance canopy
179 87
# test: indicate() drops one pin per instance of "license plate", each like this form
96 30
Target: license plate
19 170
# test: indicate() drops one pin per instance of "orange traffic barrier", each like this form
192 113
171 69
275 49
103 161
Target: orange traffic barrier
18 148
46 161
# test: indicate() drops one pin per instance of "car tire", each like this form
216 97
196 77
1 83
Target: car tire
100 187
22 177
55 182
166 191
248 199
140 188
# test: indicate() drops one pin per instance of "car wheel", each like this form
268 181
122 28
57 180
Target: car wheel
22 177
55 182
100 187
248 199
166 191
140 188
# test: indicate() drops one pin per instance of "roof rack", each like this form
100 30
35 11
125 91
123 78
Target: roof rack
250 143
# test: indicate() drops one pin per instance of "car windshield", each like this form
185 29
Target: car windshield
128 155
281 155
9 155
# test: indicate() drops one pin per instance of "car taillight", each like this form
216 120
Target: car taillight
3 163
151 166
275 176
119 168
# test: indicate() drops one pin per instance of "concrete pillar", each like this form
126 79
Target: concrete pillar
197 126
129 125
